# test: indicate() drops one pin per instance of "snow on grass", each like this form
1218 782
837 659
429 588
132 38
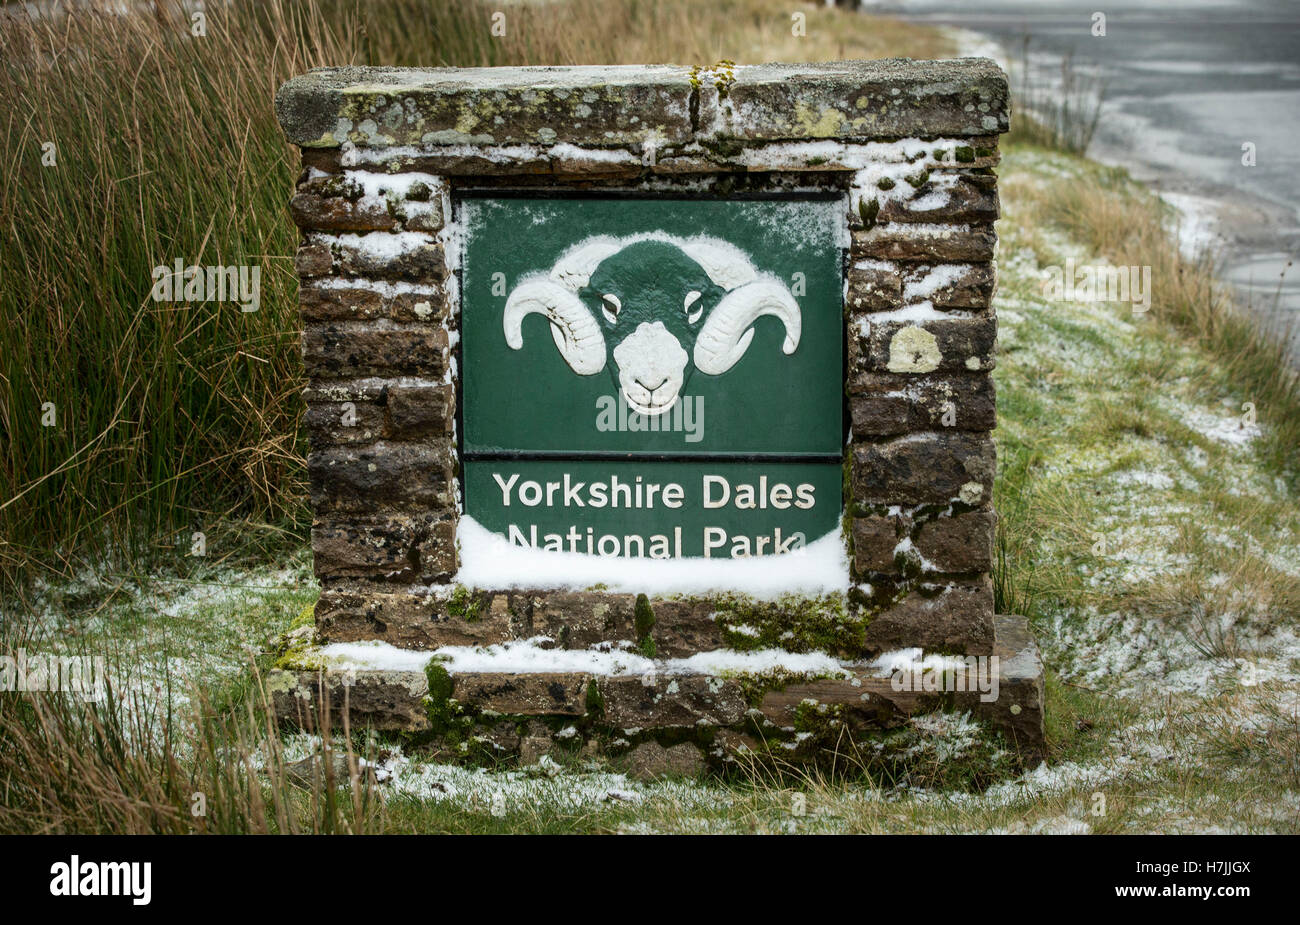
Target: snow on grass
1234 431
1161 580
546 787
165 635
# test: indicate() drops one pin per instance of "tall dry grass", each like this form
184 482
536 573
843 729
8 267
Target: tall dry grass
171 415
165 148
120 767
1128 224
1061 114
134 763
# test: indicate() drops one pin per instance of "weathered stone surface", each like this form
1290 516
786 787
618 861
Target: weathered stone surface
359 479
863 704
313 260
318 303
946 543
364 349
533 747
415 621
968 285
884 405
874 285
580 619
955 617
630 105
957 344
671 701
924 469
556 163
379 699
408 256
730 745
315 771
874 542
849 100
683 628
326 160
358 547
550 694
960 543
315 212
370 390
364 410
650 760
338 422
358 201
394 548
502 740
378 107
969 198
866 705
926 241
420 411
1018 710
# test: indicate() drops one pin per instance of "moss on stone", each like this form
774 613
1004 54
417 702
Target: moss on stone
643 618
437 702
304 617
595 700
868 211
295 649
465 604
918 179
793 623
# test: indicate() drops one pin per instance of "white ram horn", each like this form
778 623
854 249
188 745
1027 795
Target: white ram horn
723 262
576 333
574 268
730 326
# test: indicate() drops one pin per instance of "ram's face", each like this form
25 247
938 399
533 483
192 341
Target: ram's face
668 305
651 300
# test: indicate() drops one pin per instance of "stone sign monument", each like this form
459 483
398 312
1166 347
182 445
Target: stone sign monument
650 407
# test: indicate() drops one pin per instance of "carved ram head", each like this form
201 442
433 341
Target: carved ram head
669 305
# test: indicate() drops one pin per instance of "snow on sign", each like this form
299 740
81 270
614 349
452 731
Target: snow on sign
660 378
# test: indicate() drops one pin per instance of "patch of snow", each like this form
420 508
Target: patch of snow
488 560
531 656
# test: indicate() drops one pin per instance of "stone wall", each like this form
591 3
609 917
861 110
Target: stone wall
909 146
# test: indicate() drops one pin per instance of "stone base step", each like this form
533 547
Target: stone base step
520 716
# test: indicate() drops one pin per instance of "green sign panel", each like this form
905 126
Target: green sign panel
652 377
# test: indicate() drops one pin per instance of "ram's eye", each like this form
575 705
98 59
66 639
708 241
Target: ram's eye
611 306
691 298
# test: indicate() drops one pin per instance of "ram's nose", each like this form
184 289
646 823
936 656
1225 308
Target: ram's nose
651 365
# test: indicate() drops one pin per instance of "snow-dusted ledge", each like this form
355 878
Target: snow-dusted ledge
489 561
